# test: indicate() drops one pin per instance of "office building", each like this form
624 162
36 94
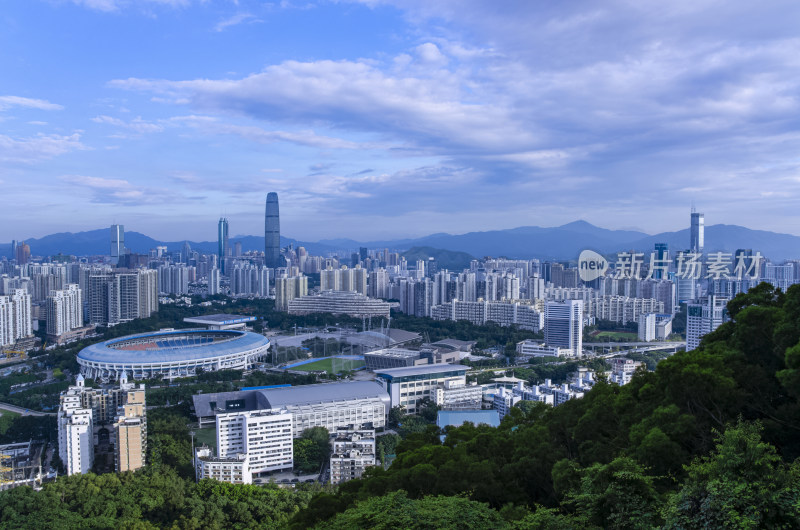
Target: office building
661 258
353 451
23 253
697 232
563 325
117 243
408 386
223 248
272 233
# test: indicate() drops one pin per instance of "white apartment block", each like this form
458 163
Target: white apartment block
504 313
703 318
64 310
624 309
15 317
75 432
647 327
353 452
265 436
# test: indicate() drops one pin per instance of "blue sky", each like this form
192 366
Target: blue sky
379 119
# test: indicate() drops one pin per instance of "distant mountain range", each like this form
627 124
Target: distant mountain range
555 243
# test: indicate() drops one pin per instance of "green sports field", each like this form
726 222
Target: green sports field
342 365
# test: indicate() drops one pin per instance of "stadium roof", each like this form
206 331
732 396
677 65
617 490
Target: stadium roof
240 341
323 393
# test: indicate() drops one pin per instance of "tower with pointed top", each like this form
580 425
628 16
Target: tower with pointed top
697 233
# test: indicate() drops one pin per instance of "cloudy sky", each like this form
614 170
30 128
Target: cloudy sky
381 119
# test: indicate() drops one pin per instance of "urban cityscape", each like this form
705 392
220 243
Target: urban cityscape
487 339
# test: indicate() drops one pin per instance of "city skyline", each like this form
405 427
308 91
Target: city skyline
384 120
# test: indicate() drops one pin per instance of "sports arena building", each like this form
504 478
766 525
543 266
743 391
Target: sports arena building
172 353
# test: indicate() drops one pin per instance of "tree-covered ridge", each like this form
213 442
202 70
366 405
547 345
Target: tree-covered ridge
633 456
150 498
711 439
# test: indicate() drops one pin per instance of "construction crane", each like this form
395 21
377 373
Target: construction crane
9 352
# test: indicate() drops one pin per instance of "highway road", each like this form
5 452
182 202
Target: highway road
24 412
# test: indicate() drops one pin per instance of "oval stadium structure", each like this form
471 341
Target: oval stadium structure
172 353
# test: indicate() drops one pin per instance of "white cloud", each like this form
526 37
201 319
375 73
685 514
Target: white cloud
235 20
116 5
39 147
137 125
17 101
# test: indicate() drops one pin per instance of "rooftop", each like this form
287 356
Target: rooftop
322 393
219 319
422 369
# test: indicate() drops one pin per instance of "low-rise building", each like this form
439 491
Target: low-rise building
533 348
330 405
233 470
455 394
353 452
622 370
408 386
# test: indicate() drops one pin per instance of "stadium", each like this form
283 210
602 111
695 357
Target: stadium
172 354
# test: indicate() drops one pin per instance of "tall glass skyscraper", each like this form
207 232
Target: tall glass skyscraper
222 242
117 243
697 234
272 233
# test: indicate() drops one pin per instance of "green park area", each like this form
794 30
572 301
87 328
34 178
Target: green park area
617 336
332 365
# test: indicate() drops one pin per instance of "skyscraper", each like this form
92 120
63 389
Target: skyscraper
117 243
662 255
563 325
222 242
697 234
272 232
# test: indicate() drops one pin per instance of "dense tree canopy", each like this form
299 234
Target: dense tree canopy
710 439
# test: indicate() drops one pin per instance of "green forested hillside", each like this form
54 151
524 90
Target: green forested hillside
711 439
